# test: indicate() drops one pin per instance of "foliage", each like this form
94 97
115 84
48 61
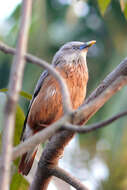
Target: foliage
22 93
18 125
103 4
125 11
18 182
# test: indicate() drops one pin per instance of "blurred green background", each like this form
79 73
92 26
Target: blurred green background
99 159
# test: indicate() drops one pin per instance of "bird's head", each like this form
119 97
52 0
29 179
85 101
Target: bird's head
72 51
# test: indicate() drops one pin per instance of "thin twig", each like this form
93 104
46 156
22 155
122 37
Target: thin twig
15 83
95 126
67 177
35 60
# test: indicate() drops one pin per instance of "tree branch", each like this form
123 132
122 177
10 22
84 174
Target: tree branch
35 60
95 126
15 83
67 177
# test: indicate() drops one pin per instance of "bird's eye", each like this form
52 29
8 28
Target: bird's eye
75 47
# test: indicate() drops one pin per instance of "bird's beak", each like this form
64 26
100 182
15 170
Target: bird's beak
87 44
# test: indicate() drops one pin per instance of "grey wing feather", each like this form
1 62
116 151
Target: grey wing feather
36 91
39 83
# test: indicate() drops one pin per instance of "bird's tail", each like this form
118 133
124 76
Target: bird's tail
27 158
27 161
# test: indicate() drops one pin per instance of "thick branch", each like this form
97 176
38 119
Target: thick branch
95 126
51 70
67 177
15 83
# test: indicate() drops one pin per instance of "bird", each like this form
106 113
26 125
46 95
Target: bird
46 105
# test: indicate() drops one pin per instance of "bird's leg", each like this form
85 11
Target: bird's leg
40 126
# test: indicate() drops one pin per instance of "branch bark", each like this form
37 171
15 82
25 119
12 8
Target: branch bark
67 177
95 126
13 93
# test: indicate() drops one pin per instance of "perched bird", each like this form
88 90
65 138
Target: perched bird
46 104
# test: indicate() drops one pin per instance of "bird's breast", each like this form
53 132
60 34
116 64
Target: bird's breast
76 77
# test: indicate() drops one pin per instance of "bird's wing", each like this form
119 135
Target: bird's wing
36 91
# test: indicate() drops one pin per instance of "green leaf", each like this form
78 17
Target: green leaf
26 95
18 125
22 93
19 118
3 90
18 182
123 4
125 11
103 5
18 130
18 122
